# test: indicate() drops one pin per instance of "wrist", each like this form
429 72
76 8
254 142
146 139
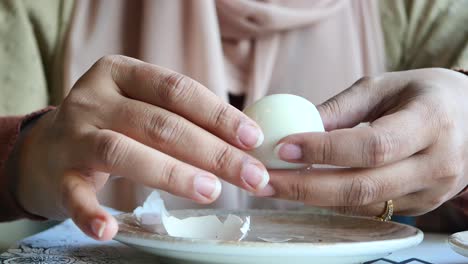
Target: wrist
15 165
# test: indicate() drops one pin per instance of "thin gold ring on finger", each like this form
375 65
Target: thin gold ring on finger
388 213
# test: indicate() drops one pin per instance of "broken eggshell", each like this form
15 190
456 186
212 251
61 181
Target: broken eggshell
154 217
149 215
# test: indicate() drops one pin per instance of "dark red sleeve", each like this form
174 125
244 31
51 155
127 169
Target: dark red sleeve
10 128
461 200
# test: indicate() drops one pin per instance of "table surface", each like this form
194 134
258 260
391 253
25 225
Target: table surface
65 243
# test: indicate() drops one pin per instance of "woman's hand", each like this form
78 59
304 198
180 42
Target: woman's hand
414 150
143 122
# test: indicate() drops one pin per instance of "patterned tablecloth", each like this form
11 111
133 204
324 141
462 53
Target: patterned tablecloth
65 243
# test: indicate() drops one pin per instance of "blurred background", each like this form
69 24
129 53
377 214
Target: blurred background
11 232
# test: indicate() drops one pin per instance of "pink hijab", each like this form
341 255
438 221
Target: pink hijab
310 48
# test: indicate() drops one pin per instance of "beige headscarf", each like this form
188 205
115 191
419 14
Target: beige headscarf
311 48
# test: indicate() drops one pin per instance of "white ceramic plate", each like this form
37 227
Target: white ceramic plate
312 238
459 243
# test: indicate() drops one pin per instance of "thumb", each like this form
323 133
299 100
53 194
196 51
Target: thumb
81 203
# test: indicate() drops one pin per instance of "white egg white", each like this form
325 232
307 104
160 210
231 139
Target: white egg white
281 115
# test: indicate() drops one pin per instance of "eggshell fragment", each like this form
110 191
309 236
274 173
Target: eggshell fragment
278 116
149 215
154 217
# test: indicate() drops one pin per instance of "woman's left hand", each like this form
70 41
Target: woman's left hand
414 149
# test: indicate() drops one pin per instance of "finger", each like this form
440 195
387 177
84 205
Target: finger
185 97
181 139
386 140
401 206
114 153
361 101
79 199
413 204
352 187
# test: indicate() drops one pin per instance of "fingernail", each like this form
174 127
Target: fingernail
287 151
265 192
98 226
207 186
254 176
250 136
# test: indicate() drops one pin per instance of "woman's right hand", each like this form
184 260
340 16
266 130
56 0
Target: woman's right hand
143 122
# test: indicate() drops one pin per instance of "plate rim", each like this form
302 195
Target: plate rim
455 243
261 248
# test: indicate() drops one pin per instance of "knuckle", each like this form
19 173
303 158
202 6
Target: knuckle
165 129
448 182
174 88
434 202
111 149
359 191
437 114
299 192
445 120
222 158
77 100
338 104
446 123
327 150
449 170
168 177
366 82
109 62
221 115
75 97
332 105
378 149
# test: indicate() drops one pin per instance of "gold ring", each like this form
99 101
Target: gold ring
388 213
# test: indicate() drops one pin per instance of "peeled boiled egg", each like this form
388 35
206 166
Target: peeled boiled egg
278 116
